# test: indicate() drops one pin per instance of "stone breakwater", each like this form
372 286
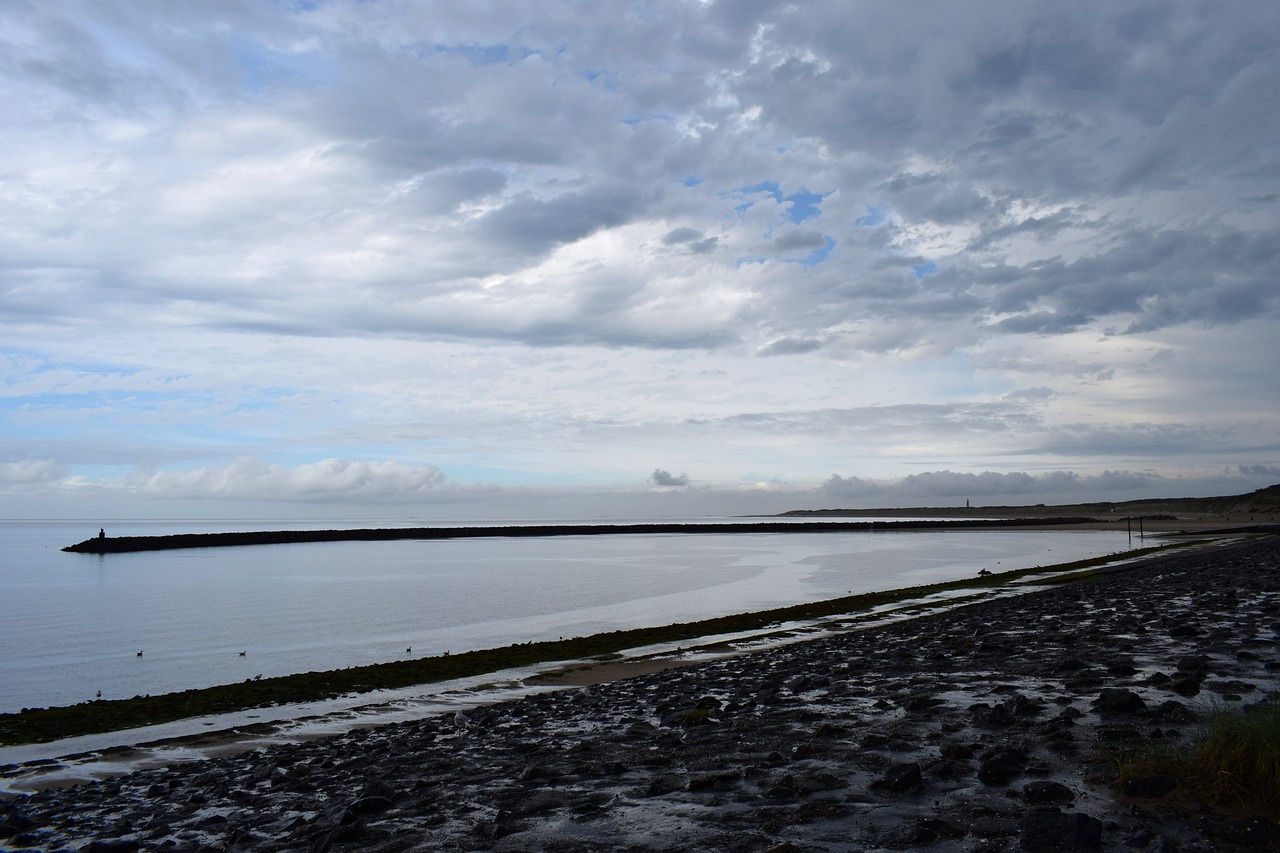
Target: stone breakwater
985 728
103 544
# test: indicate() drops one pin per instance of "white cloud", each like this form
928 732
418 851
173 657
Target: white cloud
540 242
330 480
31 471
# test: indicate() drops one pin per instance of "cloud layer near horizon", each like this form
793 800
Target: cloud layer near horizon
379 249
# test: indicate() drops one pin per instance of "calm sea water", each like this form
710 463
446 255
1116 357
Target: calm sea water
73 623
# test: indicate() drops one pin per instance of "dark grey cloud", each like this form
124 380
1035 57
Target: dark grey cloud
952 485
442 192
666 478
799 240
531 226
681 235
898 420
1260 471
1151 440
1040 393
693 240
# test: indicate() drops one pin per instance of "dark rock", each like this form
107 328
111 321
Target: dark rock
955 750
1174 712
1113 700
660 785
1041 793
115 845
874 740
900 778
801 751
1255 833
13 820
1044 832
993 826
920 703
1228 687
931 829
1001 767
539 802
366 806
1149 787
1194 664
810 783
1141 838
712 782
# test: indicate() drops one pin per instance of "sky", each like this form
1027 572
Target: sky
654 259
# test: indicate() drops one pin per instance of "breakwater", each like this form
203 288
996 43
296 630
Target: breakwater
127 544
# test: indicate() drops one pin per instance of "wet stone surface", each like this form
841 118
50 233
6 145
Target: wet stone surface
982 729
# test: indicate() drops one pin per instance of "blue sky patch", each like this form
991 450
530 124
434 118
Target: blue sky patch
634 120
875 216
479 54
925 269
817 256
803 204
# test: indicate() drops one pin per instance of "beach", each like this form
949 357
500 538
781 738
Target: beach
993 726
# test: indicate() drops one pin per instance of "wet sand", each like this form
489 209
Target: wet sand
988 727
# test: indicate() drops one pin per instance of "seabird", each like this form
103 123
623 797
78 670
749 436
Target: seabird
460 720
242 654
139 653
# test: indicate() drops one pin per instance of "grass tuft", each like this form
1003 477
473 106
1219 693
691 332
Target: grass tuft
1232 761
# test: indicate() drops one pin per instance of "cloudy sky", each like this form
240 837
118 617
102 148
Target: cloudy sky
528 259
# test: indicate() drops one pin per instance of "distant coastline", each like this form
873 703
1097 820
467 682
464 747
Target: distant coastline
1256 511
127 544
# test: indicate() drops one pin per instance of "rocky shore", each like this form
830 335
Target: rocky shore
990 727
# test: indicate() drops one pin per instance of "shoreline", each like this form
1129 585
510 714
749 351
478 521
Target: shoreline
31 767
987 726
35 725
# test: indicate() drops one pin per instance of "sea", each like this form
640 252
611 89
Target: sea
75 627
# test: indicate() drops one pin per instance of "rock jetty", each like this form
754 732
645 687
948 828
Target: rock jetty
103 544
992 727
